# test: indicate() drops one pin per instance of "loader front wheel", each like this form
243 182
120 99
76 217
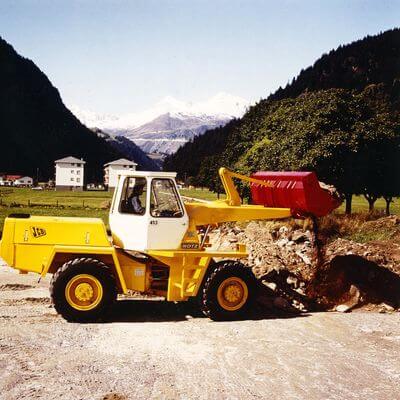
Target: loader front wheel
228 291
83 289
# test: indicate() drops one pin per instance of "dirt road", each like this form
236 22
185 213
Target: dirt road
154 350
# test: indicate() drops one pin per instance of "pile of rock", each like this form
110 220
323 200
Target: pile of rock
297 274
281 257
271 246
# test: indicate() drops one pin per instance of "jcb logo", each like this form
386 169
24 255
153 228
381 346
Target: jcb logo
37 232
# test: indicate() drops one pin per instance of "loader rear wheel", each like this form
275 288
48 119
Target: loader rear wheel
228 291
83 290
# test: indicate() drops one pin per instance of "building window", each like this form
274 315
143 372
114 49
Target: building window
72 179
78 172
78 179
72 171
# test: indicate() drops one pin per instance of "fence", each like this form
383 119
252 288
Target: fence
56 204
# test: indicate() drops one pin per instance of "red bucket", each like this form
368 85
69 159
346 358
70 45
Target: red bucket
299 191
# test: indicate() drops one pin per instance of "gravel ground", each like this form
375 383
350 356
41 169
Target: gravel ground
153 350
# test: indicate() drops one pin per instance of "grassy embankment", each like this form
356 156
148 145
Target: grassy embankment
96 204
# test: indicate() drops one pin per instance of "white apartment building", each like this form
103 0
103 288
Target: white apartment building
114 168
69 173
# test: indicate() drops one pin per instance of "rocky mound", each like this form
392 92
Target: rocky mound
298 272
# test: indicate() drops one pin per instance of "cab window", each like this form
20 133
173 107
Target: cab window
133 199
164 199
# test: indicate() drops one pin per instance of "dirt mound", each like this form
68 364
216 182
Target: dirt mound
355 274
352 280
390 224
297 270
382 253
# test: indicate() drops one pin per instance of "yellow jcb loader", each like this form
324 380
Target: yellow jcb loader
159 244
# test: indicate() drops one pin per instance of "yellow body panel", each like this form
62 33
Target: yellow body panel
135 273
32 244
7 241
28 244
61 230
32 258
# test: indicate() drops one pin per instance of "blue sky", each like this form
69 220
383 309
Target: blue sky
122 56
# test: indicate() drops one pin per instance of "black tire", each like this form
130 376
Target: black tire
70 270
210 304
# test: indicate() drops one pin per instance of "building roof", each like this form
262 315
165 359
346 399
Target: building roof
121 161
143 174
70 160
13 177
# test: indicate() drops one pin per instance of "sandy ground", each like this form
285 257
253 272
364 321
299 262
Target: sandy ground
153 350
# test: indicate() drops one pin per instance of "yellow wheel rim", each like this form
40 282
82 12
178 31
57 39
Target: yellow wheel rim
232 293
84 292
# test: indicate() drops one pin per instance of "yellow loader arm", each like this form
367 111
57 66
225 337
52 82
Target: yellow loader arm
232 195
231 209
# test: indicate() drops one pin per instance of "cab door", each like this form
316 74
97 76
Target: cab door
168 218
129 217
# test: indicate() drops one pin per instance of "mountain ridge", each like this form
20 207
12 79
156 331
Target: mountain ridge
222 105
166 133
169 124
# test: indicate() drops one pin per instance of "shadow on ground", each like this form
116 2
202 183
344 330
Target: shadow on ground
132 310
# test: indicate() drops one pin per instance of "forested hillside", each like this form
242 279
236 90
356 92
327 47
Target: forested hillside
35 126
339 118
372 60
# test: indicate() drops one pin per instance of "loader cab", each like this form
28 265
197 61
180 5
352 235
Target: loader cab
147 212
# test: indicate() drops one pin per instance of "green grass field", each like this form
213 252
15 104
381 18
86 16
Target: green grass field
27 197
96 204
54 203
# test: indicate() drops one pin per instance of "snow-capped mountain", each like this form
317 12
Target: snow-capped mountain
170 123
166 133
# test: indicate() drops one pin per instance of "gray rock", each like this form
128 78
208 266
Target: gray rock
343 308
387 307
299 237
270 285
